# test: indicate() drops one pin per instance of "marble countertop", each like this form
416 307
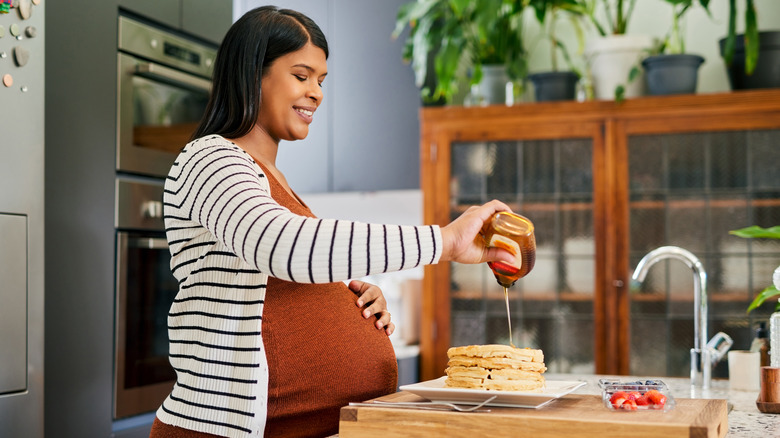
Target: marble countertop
745 420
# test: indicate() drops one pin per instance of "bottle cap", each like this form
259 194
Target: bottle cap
761 331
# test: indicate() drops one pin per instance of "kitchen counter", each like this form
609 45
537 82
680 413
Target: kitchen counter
745 420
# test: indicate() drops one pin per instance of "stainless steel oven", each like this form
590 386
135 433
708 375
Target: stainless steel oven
163 87
145 289
164 81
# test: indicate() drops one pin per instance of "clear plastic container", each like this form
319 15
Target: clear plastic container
636 395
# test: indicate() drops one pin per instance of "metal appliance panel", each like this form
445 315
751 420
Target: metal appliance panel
148 138
13 295
163 89
166 48
22 226
145 290
144 293
139 205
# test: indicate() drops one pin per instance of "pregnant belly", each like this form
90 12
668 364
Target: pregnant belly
322 354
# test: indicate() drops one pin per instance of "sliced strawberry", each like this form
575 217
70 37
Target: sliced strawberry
618 395
655 397
634 395
629 405
618 398
642 401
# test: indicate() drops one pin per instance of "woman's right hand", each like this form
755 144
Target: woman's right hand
461 241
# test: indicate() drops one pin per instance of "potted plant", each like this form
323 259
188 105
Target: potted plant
672 70
614 56
773 290
448 38
756 232
556 85
752 58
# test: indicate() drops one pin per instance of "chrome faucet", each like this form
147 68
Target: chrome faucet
704 355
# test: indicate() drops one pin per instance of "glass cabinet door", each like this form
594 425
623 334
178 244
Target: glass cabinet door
689 190
551 183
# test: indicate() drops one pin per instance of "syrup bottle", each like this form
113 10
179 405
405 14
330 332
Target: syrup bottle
515 234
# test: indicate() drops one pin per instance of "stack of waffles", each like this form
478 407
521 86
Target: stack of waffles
495 367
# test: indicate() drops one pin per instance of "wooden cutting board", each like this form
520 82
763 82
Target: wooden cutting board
574 415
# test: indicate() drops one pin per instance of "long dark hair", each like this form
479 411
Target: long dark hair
251 45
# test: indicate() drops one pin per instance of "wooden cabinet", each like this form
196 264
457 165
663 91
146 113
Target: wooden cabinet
605 183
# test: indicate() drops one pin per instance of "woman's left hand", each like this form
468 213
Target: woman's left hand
372 301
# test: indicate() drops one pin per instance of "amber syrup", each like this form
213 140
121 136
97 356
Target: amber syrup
515 234
508 317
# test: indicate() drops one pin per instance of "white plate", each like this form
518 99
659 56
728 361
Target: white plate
434 390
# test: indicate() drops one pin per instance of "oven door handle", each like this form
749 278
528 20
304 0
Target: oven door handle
147 242
165 74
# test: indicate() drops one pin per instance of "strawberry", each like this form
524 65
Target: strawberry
655 397
642 401
618 398
629 405
617 395
634 395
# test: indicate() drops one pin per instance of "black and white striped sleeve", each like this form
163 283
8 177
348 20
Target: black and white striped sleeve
219 187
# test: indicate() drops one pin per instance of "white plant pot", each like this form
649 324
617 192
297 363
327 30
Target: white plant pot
611 59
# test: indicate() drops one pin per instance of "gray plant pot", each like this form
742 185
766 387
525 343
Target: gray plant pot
767 72
554 85
493 84
672 74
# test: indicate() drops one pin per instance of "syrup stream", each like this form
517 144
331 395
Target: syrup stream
508 318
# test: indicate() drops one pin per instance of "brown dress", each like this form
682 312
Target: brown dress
322 354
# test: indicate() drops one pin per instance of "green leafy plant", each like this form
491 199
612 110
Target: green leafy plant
457 34
674 42
548 12
756 232
614 21
751 35
618 13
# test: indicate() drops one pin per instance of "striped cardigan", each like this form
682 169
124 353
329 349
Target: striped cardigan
226 236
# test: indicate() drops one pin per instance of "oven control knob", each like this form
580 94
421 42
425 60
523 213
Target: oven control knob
152 209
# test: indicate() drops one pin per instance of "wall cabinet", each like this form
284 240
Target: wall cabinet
208 19
605 183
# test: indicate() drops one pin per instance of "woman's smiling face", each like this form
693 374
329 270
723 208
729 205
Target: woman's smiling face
291 91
